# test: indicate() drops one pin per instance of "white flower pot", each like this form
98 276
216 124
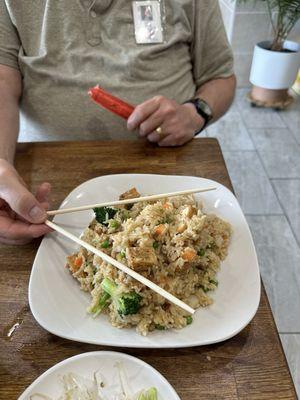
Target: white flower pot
273 69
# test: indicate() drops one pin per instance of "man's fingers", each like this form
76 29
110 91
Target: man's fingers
150 124
170 141
45 205
142 112
154 137
42 192
23 202
18 230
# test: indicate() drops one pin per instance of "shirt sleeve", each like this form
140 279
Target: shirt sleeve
9 39
210 50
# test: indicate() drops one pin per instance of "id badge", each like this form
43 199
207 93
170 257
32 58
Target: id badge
147 21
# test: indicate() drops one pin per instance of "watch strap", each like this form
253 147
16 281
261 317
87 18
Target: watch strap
201 112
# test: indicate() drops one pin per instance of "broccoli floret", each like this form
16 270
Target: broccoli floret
102 303
126 303
104 214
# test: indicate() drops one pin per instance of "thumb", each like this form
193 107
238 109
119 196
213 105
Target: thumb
23 202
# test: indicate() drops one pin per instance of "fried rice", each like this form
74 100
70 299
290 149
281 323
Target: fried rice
172 242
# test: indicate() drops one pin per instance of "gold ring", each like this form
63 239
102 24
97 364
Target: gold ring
159 131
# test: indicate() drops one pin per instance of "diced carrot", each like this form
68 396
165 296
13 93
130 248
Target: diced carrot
189 254
167 206
160 229
78 262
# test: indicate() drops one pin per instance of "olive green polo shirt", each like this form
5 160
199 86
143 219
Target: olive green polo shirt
63 47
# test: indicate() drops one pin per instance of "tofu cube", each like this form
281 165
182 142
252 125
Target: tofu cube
189 211
140 259
130 194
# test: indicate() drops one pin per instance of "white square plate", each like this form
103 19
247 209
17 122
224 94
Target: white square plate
139 374
59 305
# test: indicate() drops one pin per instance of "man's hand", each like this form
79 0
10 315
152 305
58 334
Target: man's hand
178 123
21 214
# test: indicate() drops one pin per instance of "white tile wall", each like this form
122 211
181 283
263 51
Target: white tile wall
249 29
246 24
228 17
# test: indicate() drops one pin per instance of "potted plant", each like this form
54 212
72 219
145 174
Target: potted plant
276 63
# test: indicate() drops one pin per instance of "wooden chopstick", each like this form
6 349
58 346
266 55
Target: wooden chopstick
122 267
130 201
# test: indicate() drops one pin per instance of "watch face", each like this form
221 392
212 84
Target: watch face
204 107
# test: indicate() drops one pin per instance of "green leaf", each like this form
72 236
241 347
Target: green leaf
104 214
114 224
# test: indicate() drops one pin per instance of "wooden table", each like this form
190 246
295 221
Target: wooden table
251 365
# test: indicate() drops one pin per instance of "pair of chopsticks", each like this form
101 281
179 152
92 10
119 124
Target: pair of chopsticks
112 261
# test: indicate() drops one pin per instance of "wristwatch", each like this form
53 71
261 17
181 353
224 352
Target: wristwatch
204 110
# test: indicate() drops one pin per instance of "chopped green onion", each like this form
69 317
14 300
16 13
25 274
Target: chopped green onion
114 224
105 244
166 220
211 245
102 303
123 253
205 290
155 245
189 319
214 282
201 252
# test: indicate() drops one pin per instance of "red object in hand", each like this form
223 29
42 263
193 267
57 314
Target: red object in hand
111 102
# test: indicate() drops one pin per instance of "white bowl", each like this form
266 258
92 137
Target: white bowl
59 305
139 374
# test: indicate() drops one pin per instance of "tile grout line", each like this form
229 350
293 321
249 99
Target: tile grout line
284 179
277 197
285 126
286 215
240 151
289 333
291 130
274 190
264 215
270 179
264 168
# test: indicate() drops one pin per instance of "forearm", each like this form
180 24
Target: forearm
10 91
219 94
